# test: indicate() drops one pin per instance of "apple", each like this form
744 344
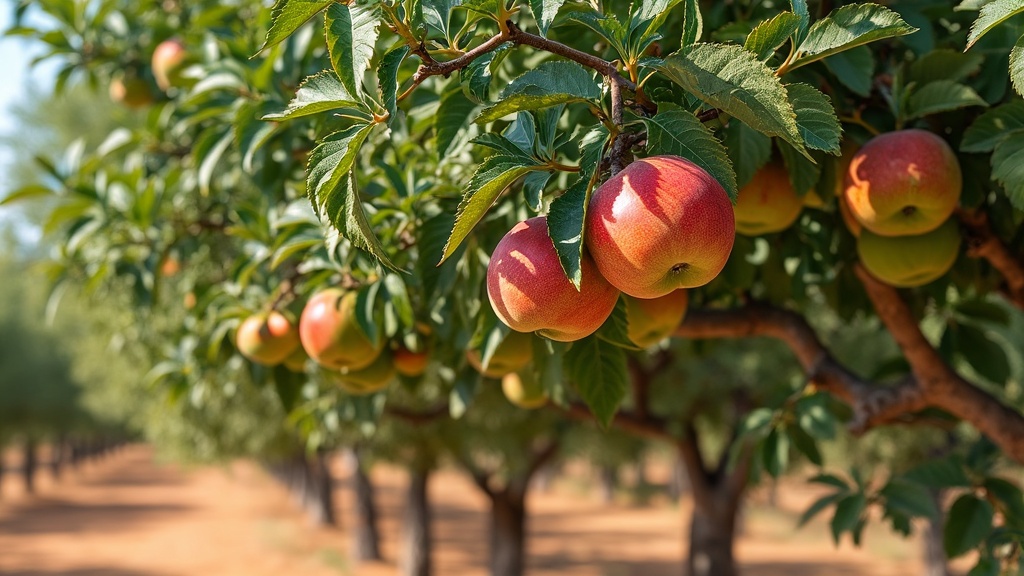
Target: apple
330 333
529 291
768 202
296 361
653 320
409 363
909 261
267 338
514 352
368 379
524 391
661 224
132 91
903 183
851 223
168 57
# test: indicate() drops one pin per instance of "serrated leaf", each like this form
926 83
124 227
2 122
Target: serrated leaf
853 68
803 173
288 15
769 35
317 93
452 116
615 329
592 147
437 14
598 369
941 96
993 127
986 312
815 118
609 28
492 178
748 149
345 211
800 9
732 79
680 133
968 523
1017 66
476 77
693 23
943 473
848 27
331 160
387 80
1008 168
944 64
351 34
544 11
848 511
550 84
566 217
533 189
993 14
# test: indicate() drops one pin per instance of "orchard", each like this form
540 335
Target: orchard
460 231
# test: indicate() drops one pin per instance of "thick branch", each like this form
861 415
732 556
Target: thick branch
941 386
982 242
417 417
607 69
647 427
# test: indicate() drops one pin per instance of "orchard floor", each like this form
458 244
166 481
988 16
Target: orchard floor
126 515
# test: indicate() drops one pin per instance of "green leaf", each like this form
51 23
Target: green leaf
609 28
550 84
1008 168
345 211
693 23
464 391
941 96
598 369
993 14
815 118
615 329
476 77
387 80
984 311
732 79
680 133
944 64
984 354
437 14
848 512
908 498
544 11
748 149
800 9
566 216
1010 498
351 34
819 505
830 480
854 69
769 35
993 127
318 93
803 173
288 16
331 161
452 117
805 444
968 523
942 473
492 178
775 452
28 192
846 28
1017 66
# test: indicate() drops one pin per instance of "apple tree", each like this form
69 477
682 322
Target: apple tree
469 171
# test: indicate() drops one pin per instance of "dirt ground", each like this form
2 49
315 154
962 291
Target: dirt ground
127 515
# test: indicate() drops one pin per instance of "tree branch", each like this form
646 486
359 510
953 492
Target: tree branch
982 242
940 385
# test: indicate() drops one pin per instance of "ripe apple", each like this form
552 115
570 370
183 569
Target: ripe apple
524 391
514 352
768 202
170 266
296 361
852 224
168 56
368 379
661 224
409 363
132 91
331 334
903 183
909 261
653 320
267 338
529 291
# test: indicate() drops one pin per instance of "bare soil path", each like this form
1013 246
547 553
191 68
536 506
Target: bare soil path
127 515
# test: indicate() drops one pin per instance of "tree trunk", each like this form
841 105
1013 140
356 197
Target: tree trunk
2 470
934 553
365 536
508 533
416 539
677 483
318 493
56 457
712 530
609 476
28 467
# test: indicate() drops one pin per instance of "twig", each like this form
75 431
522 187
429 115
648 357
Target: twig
982 242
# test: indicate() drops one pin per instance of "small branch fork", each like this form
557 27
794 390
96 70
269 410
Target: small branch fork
982 242
933 382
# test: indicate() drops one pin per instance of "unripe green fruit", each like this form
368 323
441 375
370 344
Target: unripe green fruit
767 203
909 261
514 352
524 391
651 321
368 380
131 91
